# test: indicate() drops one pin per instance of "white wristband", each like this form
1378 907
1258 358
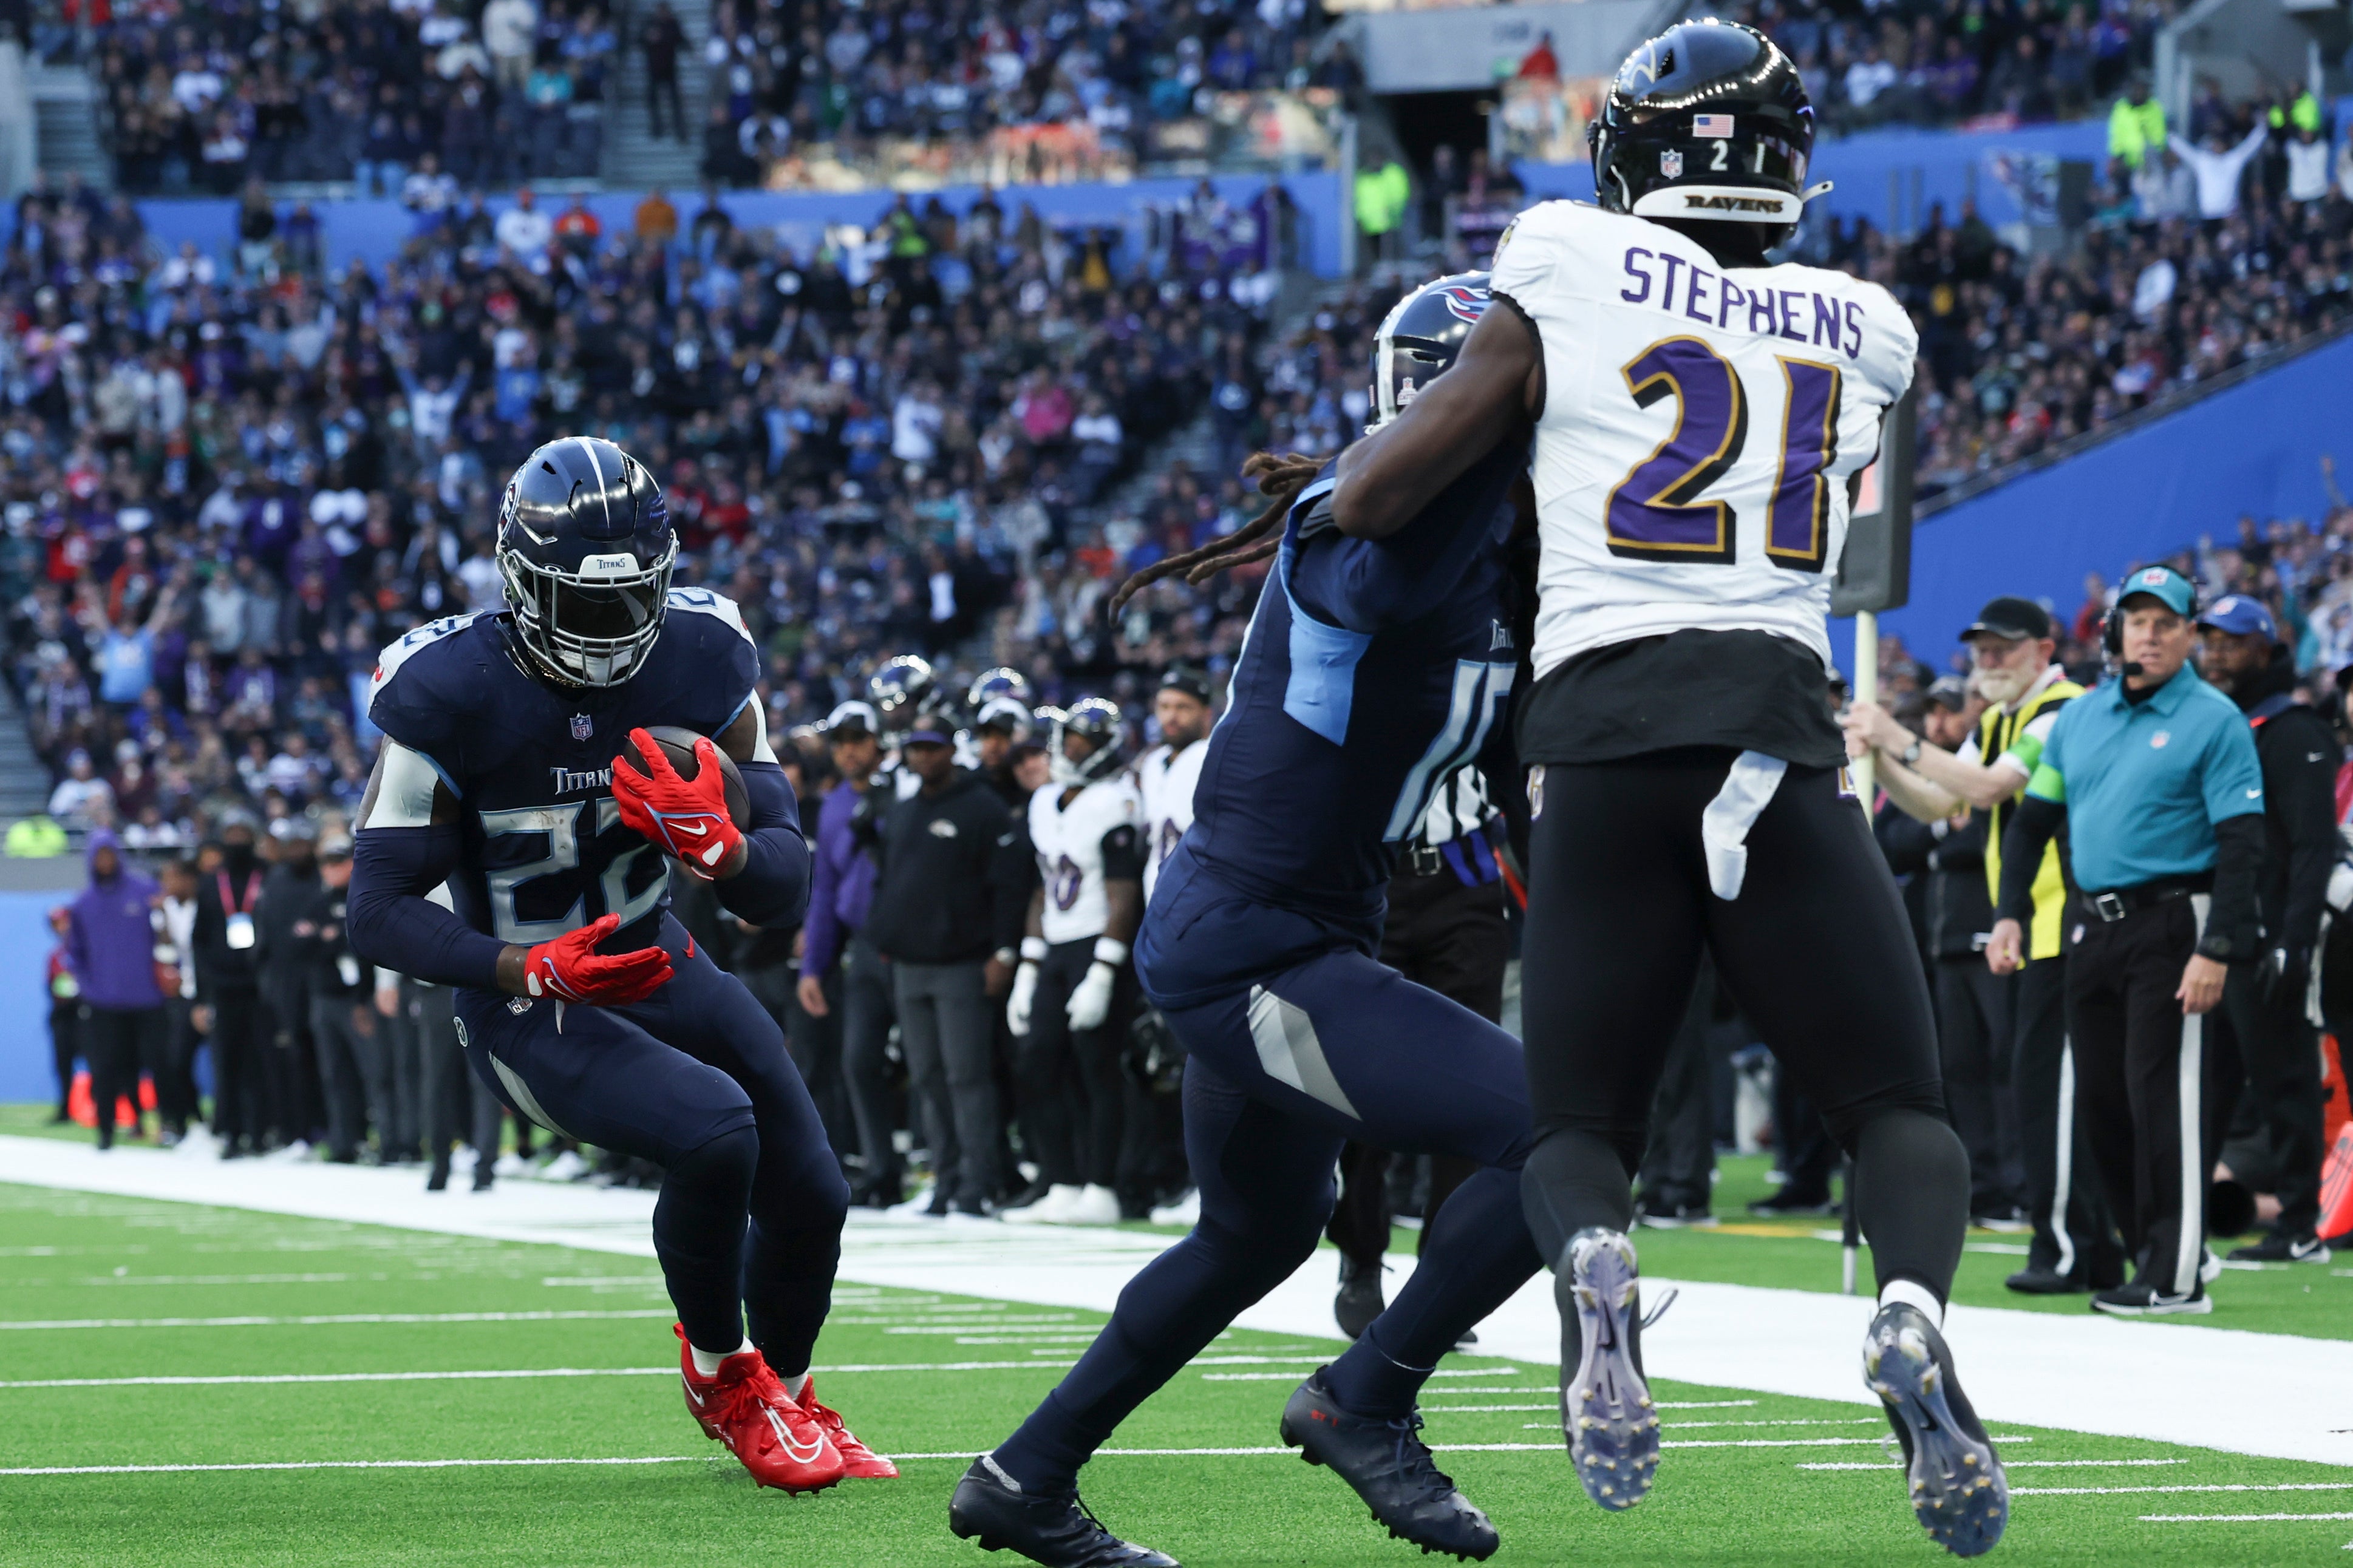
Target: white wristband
1109 951
1033 949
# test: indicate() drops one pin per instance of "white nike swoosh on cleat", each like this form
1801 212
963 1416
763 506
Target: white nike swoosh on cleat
691 1394
793 1450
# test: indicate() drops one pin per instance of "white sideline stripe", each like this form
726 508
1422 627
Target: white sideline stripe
1272 1376
2231 1518
2006 1463
2087 1372
319 1318
341 1377
1753 1442
828 1370
335 1465
2220 1486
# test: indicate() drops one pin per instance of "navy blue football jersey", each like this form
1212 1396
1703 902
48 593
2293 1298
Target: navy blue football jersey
1371 670
532 764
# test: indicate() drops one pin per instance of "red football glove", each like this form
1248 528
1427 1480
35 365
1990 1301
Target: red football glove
571 967
688 817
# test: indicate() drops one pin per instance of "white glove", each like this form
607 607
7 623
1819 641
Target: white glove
1091 1003
1025 991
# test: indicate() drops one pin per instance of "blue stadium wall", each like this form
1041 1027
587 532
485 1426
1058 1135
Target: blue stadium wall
374 230
25 944
2253 450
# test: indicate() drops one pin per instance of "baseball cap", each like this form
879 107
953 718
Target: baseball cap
1950 692
2164 585
2241 617
335 846
2010 618
852 718
1190 680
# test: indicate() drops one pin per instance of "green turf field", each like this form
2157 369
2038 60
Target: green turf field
84 1280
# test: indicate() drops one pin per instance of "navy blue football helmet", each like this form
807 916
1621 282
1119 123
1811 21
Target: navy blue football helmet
1000 684
586 547
1710 122
1093 719
1420 338
900 687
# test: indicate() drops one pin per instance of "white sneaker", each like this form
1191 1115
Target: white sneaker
568 1166
1185 1210
1047 1210
914 1208
512 1165
1093 1206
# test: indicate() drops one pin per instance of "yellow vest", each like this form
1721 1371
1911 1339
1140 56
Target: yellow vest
1996 731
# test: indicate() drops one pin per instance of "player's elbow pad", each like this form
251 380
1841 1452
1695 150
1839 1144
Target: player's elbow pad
773 888
390 920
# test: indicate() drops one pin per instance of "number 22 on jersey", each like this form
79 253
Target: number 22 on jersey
1657 512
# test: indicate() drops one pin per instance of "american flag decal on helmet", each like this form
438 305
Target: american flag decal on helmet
1716 125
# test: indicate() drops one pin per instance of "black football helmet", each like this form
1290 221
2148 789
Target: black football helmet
585 547
1005 716
900 687
1420 338
1708 121
1095 719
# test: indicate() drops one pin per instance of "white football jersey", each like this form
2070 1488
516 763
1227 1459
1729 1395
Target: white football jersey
1165 780
1070 846
1699 425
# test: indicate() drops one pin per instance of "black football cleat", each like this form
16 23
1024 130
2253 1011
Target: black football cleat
1959 1492
1359 1301
1057 1531
1606 1411
1391 1468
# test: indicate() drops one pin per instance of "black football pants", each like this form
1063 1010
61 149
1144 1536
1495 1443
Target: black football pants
1815 947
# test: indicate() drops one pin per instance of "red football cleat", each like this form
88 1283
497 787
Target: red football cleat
858 1461
747 1408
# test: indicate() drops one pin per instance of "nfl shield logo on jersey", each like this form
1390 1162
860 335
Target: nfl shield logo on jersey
1671 164
582 727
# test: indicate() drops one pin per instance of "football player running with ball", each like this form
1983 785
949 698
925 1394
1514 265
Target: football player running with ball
517 767
1372 670
1701 417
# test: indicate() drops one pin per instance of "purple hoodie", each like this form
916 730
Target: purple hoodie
110 944
841 883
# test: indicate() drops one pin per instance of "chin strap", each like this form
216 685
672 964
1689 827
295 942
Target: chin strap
1823 189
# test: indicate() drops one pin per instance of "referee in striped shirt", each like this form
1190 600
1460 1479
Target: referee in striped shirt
2156 775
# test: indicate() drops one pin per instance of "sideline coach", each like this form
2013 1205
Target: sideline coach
2155 774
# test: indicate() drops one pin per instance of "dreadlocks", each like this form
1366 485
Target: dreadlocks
1280 478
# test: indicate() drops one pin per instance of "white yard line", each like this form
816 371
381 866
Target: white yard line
336 1465
2083 1373
2006 1463
2234 1517
316 1319
2216 1487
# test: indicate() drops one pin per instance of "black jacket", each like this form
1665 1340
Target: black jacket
220 967
952 887
318 942
2299 757
1958 911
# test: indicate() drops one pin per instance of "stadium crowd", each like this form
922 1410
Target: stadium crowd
201 97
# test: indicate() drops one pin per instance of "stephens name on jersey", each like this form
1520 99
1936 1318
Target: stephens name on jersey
1166 779
545 850
1699 428
1096 837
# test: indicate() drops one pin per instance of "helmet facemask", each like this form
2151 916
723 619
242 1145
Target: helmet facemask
590 628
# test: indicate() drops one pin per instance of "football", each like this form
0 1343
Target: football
678 745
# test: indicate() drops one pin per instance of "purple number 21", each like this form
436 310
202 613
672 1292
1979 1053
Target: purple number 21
1656 513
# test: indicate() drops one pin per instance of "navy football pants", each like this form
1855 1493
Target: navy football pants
1281 1073
697 1080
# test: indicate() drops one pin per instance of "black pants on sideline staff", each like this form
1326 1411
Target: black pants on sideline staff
861 993
2265 1048
2139 1076
454 1102
65 1045
1448 935
1973 1035
1074 1100
2073 1232
112 1040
